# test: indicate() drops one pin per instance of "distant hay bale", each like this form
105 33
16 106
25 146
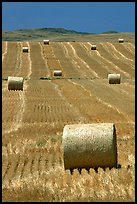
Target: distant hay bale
89 145
15 83
114 78
120 40
25 49
57 73
93 47
46 42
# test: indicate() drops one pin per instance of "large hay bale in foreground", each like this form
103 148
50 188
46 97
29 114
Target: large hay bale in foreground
114 78
57 73
120 40
93 47
89 145
46 42
15 83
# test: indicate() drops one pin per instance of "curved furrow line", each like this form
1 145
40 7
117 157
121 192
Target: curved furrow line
27 171
122 88
81 61
107 52
60 94
13 169
18 63
119 54
73 109
5 162
114 108
44 58
5 50
103 61
69 61
124 49
51 60
130 47
35 165
10 60
120 94
19 116
115 67
97 58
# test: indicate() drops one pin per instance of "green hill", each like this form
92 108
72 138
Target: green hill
61 34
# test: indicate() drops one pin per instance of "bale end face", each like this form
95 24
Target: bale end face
15 83
89 146
25 49
114 78
46 42
93 47
57 73
120 40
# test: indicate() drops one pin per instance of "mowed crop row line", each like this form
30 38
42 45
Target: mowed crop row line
120 56
4 49
111 90
51 61
49 117
108 63
21 163
53 55
113 98
130 47
110 54
110 66
17 121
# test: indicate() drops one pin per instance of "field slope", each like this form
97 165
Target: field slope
33 119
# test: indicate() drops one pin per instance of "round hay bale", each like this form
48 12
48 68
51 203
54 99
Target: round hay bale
46 42
89 145
93 47
15 83
57 73
120 40
25 49
114 78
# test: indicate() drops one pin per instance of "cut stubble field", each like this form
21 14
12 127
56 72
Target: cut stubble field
33 119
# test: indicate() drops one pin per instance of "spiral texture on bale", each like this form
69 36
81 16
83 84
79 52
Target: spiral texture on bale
15 83
89 145
114 78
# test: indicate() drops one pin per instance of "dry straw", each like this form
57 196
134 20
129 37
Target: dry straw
15 83
89 145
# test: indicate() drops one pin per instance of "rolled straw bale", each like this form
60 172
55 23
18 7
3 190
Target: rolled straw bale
46 42
57 73
15 83
93 47
25 49
89 145
114 78
120 40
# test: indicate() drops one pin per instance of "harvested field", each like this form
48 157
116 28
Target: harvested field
33 119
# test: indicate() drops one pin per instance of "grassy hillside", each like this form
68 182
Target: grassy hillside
61 34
